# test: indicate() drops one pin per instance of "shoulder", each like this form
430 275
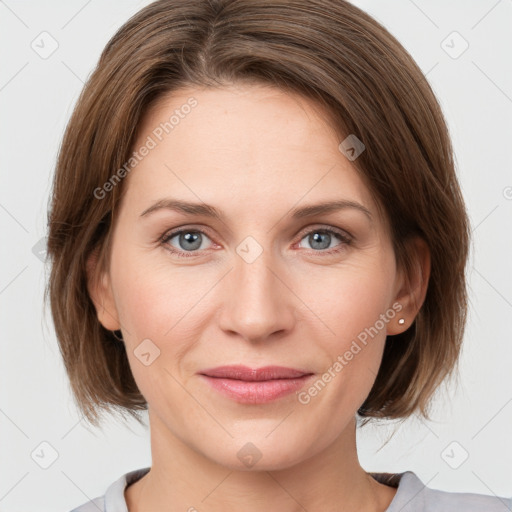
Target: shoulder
95 505
437 500
414 496
113 500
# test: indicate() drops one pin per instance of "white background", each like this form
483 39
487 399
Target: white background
36 99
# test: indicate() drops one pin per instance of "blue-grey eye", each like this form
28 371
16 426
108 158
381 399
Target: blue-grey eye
187 240
320 239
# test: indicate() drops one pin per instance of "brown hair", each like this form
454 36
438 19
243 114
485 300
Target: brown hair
326 50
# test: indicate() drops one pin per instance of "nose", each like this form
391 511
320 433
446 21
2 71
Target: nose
258 302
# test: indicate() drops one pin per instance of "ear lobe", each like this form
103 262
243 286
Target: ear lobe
412 293
100 291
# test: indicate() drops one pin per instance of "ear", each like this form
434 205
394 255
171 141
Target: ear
100 291
412 286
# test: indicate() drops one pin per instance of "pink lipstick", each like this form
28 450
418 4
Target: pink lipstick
255 386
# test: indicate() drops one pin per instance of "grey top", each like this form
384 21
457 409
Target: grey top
411 496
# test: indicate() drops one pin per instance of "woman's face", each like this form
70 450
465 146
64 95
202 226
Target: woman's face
271 281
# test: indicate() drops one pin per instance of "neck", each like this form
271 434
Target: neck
182 479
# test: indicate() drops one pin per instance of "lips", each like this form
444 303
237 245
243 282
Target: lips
239 372
255 385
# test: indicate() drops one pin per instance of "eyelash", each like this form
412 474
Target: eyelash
345 239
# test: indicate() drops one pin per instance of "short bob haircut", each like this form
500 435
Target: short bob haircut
328 51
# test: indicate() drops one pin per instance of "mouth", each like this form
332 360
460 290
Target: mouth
255 385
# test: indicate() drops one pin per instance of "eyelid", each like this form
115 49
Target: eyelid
186 227
343 233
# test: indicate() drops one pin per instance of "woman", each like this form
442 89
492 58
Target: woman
257 234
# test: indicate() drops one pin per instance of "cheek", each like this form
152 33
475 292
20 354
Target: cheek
348 300
352 304
157 311
153 298
160 305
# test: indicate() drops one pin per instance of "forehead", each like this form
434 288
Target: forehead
238 117
257 143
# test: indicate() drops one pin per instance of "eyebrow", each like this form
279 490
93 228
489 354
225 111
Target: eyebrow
206 210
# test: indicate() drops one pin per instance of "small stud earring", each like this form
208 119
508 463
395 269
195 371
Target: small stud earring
401 321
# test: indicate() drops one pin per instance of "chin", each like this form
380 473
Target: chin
255 453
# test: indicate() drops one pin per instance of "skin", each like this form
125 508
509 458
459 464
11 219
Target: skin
255 153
